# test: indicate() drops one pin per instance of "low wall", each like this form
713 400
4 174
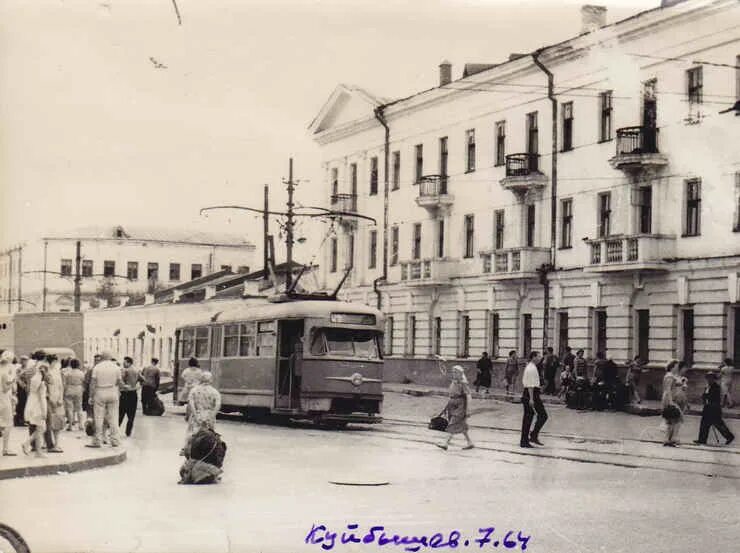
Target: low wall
426 372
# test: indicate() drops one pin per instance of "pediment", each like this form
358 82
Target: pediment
345 105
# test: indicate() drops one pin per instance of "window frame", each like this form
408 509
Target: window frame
692 206
500 154
470 151
416 242
175 272
334 178
374 176
333 254
532 133
606 99
152 270
604 214
566 109
419 163
396 184
530 225
444 157
373 249
109 268
695 85
566 223
463 345
499 229
65 267
192 270
411 334
469 236
132 270
440 238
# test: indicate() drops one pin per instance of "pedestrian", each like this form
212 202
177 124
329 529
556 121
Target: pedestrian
483 378
634 372
711 414
73 386
671 413
296 371
726 371
128 399
569 359
86 403
600 368
457 408
580 365
150 384
22 380
550 364
680 395
532 403
190 377
205 402
7 399
105 382
36 405
55 409
511 370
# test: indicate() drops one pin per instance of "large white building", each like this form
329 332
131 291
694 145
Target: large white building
624 222
39 276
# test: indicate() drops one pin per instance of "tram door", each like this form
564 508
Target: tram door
290 360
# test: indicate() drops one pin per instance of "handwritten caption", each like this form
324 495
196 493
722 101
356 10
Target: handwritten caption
379 536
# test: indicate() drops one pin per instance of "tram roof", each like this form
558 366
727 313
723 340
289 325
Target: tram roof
292 309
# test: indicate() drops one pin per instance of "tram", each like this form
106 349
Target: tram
307 359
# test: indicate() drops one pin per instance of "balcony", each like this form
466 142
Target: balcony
514 263
426 272
433 193
639 252
346 203
523 174
637 150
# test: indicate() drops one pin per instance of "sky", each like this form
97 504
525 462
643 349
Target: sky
113 113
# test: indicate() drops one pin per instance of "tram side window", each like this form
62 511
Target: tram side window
246 340
231 340
346 343
201 342
187 343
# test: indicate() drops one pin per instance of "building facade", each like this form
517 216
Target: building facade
605 201
116 264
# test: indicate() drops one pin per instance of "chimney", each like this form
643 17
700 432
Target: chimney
592 18
445 73
210 292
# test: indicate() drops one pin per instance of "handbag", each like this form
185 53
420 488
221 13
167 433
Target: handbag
439 422
56 422
671 413
90 427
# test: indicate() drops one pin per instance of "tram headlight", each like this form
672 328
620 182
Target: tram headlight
356 380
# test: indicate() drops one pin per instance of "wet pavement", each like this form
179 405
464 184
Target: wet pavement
594 486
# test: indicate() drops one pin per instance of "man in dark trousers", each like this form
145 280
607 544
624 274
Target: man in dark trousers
711 415
550 364
128 400
150 385
532 403
485 367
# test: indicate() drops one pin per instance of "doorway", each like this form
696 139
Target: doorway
643 334
290 364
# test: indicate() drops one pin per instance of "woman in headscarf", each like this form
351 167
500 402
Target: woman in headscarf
204 401
671 411
7 403
55 415
36 406
457 407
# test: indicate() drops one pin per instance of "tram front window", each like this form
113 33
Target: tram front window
345 343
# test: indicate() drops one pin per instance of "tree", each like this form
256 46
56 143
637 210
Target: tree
107 292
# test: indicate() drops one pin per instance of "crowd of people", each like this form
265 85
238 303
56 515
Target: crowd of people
48 395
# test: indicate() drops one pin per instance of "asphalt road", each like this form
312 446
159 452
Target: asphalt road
578 493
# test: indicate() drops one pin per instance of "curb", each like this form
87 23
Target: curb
74 466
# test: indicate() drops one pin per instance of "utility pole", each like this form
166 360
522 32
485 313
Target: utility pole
265 227
20 277
78 277
289 229
10 280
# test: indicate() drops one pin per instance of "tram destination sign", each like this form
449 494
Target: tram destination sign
352 318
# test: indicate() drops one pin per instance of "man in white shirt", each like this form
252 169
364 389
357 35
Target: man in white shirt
105 383
532 403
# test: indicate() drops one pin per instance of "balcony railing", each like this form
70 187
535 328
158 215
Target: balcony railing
637 140
426 271
521 165
514 263
433 186
344 202
635 252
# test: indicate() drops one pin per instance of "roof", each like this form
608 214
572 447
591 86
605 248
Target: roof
153 234
473 68
298 309
341 94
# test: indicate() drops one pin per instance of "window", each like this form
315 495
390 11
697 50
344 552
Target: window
353 178
187 343
340 342
333 256
152 271
394 246
566 229
265 341
469 235
501 143
196 271
373 249
411 335
373 176
66 268
470 150
226 268
464 346
531 213
109 268
498 239
419 171
695 85
737 202
644 209
132 270
693 208
495 329
443 165
350 251
388 339
600 331
441 238
174 271
240 340
526 333
687 336
396 170
567 111
416 242
605 213
532 134
605 128
243 269
437 336
562 332
334 182
201 342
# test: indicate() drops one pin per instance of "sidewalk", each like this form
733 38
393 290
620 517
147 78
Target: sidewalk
76 456
645 409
